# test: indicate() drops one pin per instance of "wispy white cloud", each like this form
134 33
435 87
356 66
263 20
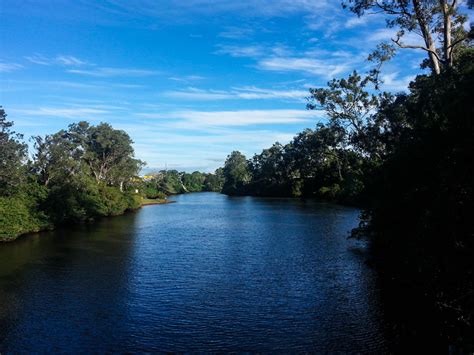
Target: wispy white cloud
198 119
241 51
303 64
255 51
386 34
395 82
187 78
362 21
198 94
357 21
105 72
234 32
65 60
70 60
242 93
281 58
63 86
73 113
191 8
8 67
38 59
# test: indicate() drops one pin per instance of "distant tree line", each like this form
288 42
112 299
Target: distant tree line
172 182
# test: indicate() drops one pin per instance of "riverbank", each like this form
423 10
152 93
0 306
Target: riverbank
157 201
16 230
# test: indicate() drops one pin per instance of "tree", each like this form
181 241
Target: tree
268 168
438 22
419 215
236 174
107 152
57 158
194 182
350 107
214 182
12 155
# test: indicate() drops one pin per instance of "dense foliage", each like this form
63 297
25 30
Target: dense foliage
171 182
78 175
12 154
313 164
421 200
74 175
408 160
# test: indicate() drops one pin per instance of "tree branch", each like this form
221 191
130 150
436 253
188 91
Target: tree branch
412 46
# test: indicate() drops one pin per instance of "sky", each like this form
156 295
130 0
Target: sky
190 81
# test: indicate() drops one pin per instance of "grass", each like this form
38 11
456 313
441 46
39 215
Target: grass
157 201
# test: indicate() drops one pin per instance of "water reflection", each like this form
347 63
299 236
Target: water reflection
65 289
206 273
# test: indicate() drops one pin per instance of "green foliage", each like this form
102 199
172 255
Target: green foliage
83 199
77 201
316 163
408 159
194 182
76 175
420 200
18 215
152 192
12 154
214 182
114 200
439 23
236 174
57 158
134 201
107 152
169 182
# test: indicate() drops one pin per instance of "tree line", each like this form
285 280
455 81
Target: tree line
171 182
74 175
406 159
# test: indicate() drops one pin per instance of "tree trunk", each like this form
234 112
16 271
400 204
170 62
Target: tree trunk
448 57
420 17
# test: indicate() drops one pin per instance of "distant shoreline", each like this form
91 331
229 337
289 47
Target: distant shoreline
151 202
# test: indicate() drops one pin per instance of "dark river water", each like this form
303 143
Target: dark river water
208 273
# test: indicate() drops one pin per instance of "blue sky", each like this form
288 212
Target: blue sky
190 81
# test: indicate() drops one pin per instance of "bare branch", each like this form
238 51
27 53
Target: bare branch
412 46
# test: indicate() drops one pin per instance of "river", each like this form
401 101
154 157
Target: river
207 273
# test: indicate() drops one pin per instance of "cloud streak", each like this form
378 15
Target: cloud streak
243 93
191 8
302 64
64 60
72 113
191 119
107 72
279 58
9 67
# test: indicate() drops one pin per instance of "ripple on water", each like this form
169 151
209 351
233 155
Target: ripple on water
208 273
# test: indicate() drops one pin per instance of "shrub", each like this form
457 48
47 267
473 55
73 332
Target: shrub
17 216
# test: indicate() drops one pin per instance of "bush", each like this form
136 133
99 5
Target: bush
114 200
153 193
18 217
134 201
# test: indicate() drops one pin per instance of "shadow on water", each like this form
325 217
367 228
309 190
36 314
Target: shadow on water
64 289
208 273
